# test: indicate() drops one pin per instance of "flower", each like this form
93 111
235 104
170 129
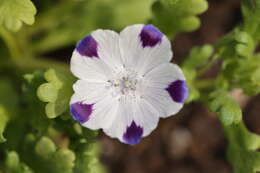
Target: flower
126 82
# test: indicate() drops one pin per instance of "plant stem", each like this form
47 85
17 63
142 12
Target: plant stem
27 62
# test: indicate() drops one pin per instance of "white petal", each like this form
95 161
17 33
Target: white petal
94 116
146 116
162 75
155 92
90 69
108 48
122 119
134 120
92 92
104 113
138 57
161 101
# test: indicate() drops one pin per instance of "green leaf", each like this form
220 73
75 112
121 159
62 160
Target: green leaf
173 16
66 159
198 56
3 121
14 12
59 160
242 149
243 73
45 147
191 75
251 15
56 92
227 108
8 104
13 164
237 44
87 160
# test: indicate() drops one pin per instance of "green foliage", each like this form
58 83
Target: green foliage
8 104
198 57
14 12
173 16
56 92
13 164
251 14
47 152
4 120
242 149
42 145
229 111
240 65
241 44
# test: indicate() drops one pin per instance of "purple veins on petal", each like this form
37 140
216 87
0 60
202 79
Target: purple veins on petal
133 134
88 47
81 112
178 91
150 36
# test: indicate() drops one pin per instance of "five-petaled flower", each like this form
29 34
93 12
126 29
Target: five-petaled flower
126 82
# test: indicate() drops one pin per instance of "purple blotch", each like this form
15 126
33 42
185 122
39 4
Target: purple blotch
133 134
81 112
178 91
88 47
150 36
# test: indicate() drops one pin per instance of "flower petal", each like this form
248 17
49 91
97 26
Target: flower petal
108 48
143 47
178 91
96 115
79 110
87 47
104 106
165 89
150 36
133 134
92 92
97 56
104 113
90 69
161 101
134 120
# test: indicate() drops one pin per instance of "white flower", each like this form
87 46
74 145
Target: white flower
126 82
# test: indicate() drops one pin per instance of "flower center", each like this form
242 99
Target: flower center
124 83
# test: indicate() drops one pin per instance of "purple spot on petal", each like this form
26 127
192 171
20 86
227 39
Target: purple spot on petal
178 91
80 111
133 134
150 36
88 47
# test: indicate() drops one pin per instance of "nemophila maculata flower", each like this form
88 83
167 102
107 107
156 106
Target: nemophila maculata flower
126 82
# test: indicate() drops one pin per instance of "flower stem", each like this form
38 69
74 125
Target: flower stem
27 62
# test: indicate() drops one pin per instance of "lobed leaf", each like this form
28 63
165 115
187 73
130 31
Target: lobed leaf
242 149
13 164
228 109
8 105
15 12
173 16
56 92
